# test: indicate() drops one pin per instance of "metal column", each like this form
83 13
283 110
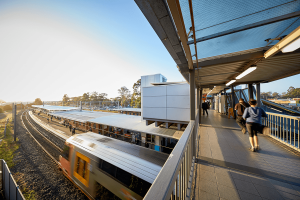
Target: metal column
192 94
233 100
250 91
198 99
258 94
80 105
200 105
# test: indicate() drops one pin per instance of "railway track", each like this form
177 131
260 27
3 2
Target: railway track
51 144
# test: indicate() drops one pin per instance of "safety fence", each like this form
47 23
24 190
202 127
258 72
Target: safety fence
284 128
175 178
8 184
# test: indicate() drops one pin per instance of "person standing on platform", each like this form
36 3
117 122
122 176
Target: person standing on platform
73 131
240 107
253 117
204 108
70 127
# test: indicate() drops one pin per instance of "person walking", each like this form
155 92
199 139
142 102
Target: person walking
253 115
70 127
240 108
204 108
73 131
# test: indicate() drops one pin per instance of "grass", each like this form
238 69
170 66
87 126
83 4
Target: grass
7 152
27 193
8 146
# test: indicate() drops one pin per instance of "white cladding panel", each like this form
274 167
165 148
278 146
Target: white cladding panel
178 89
154 91
155 113
178 102
159 101
169 102
178 114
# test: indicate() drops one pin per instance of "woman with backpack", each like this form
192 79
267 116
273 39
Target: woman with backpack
253 115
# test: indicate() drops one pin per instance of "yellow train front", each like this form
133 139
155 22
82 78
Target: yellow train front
107 168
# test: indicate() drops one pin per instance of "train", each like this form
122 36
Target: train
107 168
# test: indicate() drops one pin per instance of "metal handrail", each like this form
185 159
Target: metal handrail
9 186
283 129
174 179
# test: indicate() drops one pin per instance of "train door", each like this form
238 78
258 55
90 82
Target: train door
81 168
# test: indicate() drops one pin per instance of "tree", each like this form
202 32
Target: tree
66 98
37 101
85 97
124 94
136 96
275 94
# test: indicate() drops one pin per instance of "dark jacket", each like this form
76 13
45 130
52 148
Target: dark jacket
240 107
204 106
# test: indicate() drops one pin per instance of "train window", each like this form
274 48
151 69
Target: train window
94 125
108 168
124 177
81 171
65 153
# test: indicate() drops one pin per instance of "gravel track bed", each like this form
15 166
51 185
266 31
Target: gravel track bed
48 146
39 172
48 134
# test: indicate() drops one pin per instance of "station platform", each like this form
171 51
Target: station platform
226 169
56 125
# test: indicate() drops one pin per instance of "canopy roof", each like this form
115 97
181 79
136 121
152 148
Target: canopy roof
221 39
55 108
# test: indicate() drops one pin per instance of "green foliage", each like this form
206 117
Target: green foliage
7 146
136 96
37 101
7 107
293 92
124 95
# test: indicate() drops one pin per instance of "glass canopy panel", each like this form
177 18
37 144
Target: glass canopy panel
245 40
215 16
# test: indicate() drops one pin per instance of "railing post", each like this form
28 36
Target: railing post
258 94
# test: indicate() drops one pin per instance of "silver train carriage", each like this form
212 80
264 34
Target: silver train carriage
107 168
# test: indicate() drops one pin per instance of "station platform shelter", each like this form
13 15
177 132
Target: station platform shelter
216 46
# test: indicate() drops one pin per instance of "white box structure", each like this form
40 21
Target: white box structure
169 102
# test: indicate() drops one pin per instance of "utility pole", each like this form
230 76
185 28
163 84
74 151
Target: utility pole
15 123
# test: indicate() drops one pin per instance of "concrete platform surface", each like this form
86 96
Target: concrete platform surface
226 169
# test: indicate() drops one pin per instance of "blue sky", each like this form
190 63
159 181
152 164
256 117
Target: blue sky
52 48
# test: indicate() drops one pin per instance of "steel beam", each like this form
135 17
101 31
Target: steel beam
175 10
232 59
246 27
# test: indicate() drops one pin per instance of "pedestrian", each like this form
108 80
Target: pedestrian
253 115
240 108
73 131
204 108
90 129
70 127
48 120
51 118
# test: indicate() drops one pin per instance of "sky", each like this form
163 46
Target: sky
52 48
